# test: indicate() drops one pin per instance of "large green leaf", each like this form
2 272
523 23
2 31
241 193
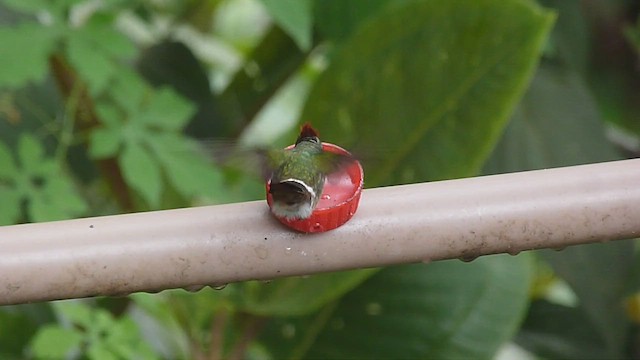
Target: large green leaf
613 72
337 19
294 16
599 275
443 310
431 82
569 41
557 124
554 331
297 296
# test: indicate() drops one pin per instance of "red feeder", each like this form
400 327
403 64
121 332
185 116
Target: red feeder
338 201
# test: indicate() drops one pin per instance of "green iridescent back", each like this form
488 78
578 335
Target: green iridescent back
303 162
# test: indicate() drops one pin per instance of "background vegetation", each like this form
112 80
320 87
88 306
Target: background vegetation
104 105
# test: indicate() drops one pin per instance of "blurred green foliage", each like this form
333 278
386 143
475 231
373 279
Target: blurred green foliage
104 105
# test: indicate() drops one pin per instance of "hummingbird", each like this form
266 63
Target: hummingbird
299 174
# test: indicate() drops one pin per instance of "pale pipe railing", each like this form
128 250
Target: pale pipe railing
216 245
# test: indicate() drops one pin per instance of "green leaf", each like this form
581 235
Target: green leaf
337 19
599 275
54 342
30 152
158 311
556 124
54 197
124 340
40 209
297 296
192 176
63 6
554 331
24 54
64 197
42 181
93 66
105 142
180 161
444 310
101 351
109 115
17 328
10 206
436 80
632 34
570 40
141 172
171 63
129 90
295 17
101 33
166 110
104 336
95 49
75 311
27 6
277 58
7 165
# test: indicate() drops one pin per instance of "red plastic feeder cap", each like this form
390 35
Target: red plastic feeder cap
339 199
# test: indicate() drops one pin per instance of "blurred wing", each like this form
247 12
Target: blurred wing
254 161
273 157
331 162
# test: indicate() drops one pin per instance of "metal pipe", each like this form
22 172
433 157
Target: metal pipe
215 245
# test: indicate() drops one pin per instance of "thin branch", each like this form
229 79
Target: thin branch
85 117
218 327
251 330
462 218
319 323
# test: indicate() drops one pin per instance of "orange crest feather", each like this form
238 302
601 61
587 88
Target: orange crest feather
307 131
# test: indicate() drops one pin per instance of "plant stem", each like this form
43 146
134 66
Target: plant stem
463 219
218 325
68 120
319 324
73 89
251 330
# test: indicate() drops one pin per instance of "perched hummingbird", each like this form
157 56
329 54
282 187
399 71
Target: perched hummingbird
299 175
